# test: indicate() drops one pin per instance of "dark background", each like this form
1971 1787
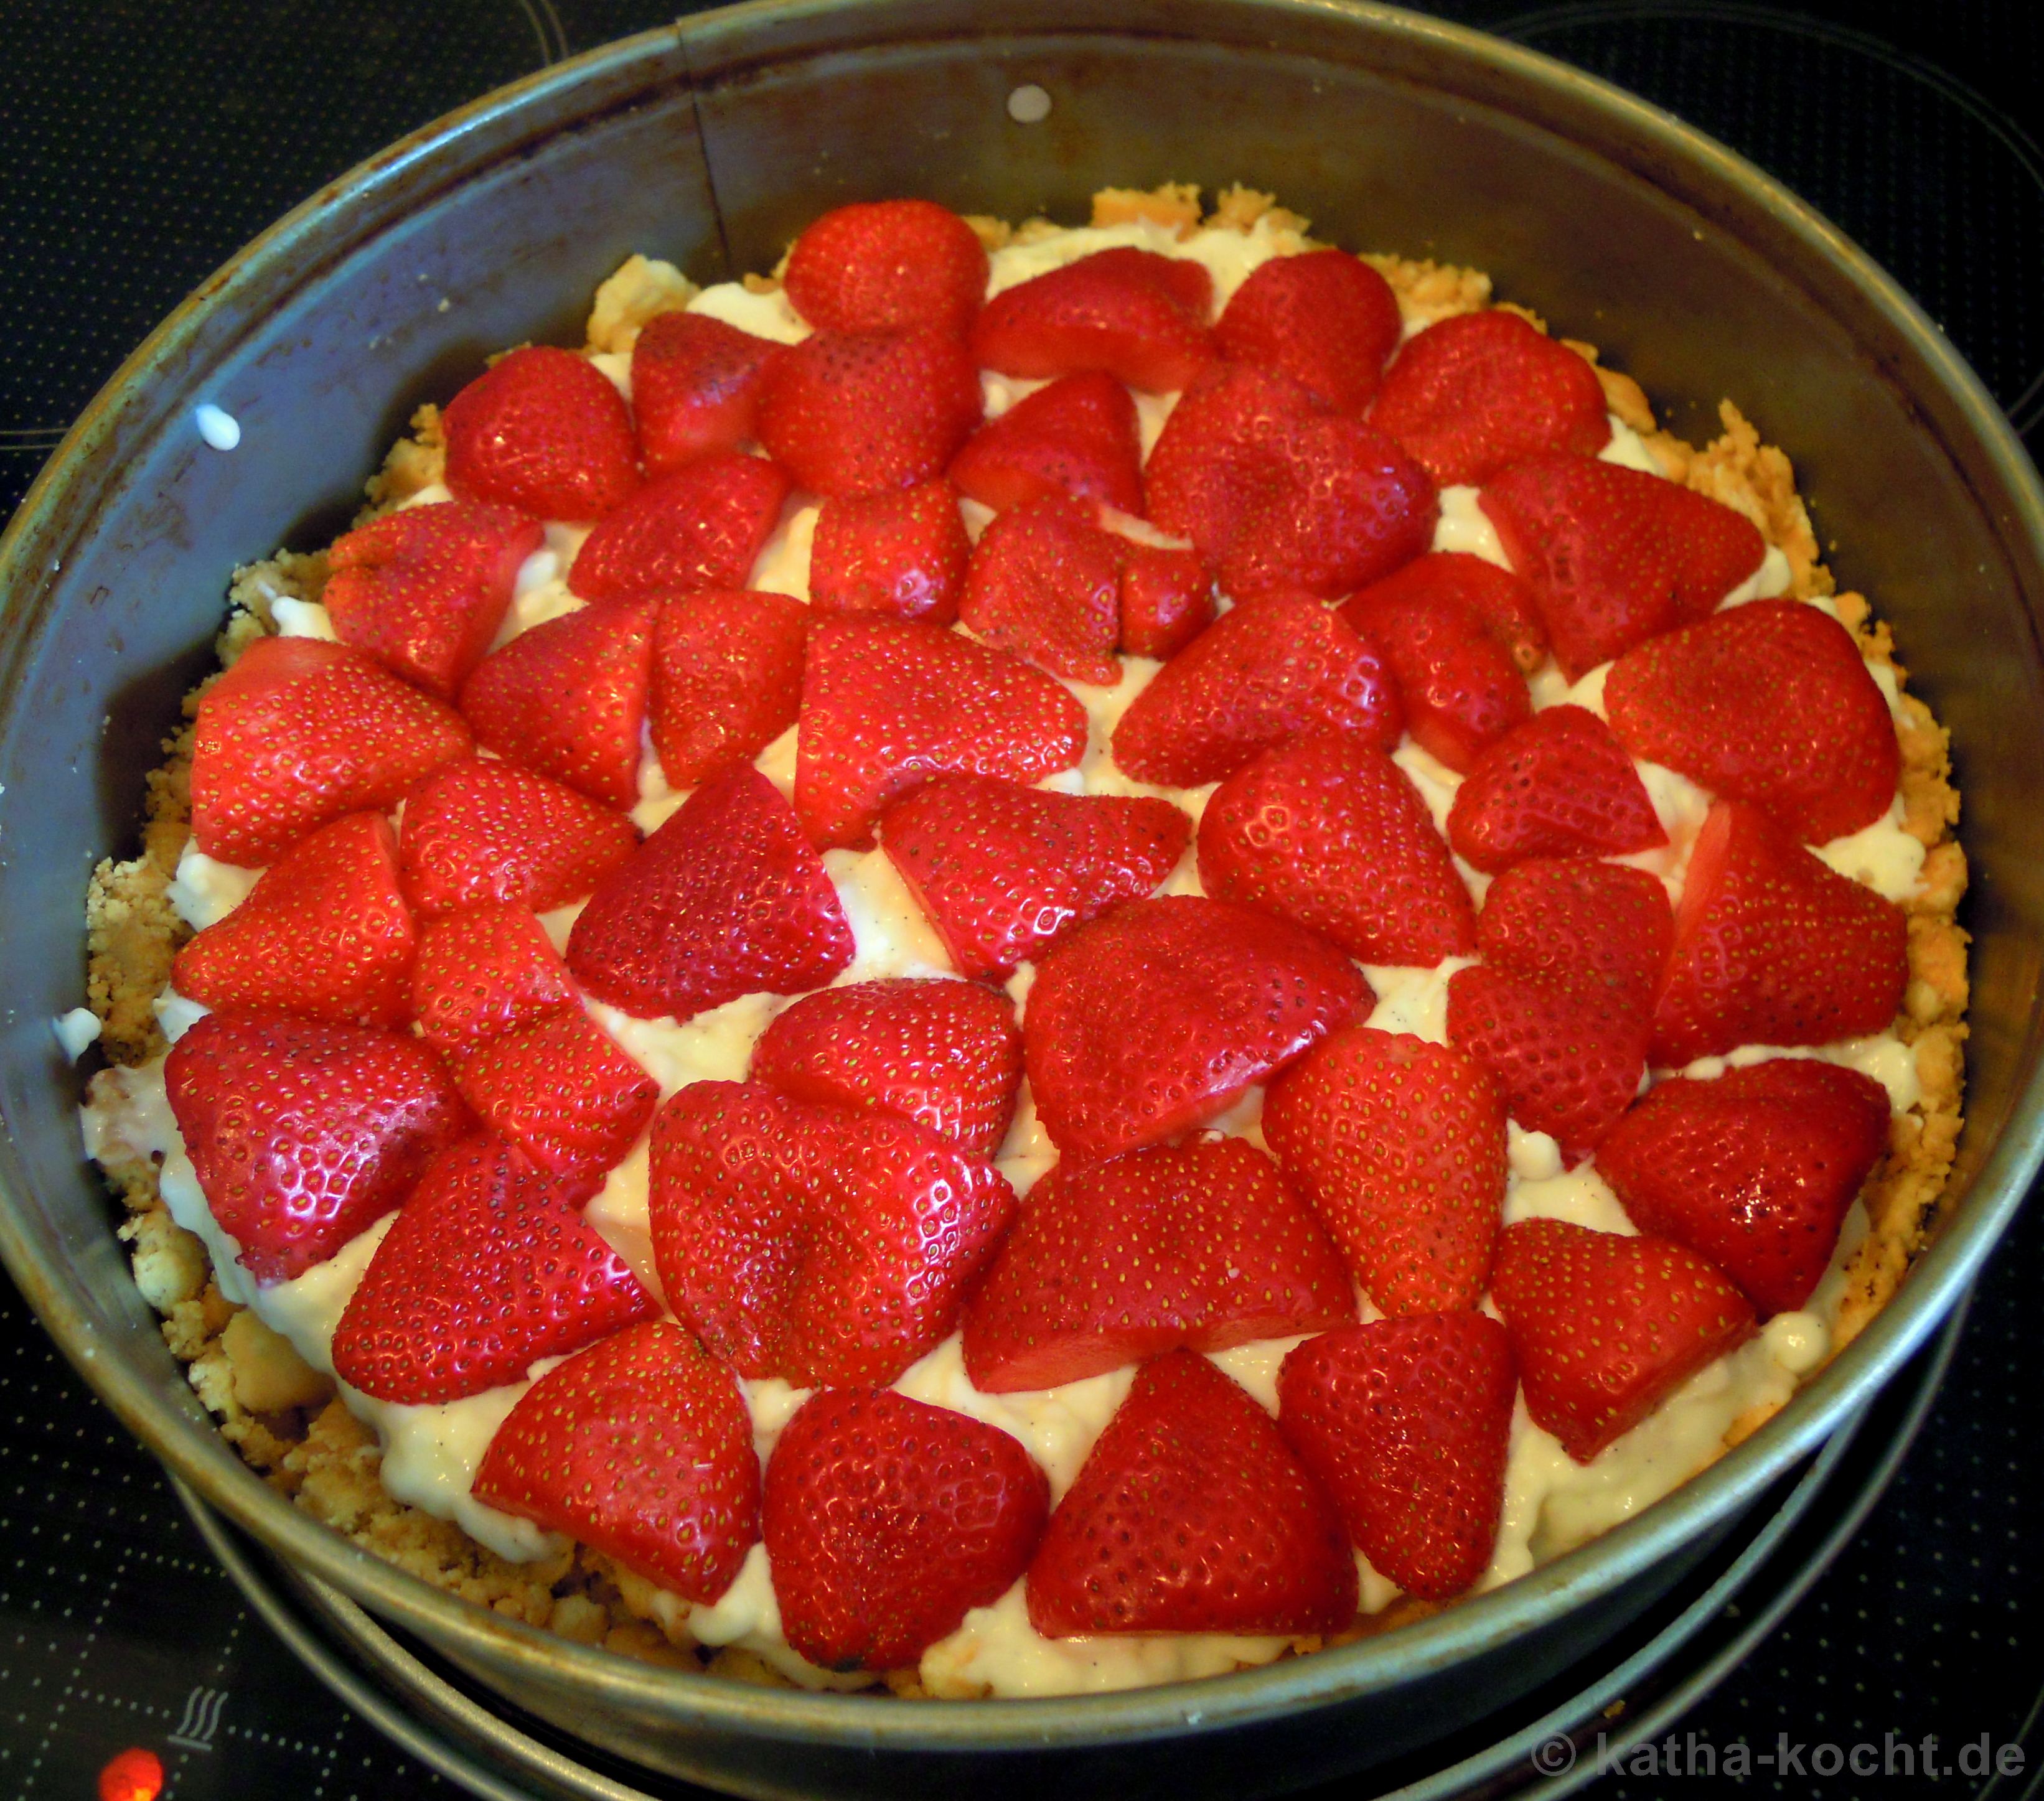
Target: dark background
141 144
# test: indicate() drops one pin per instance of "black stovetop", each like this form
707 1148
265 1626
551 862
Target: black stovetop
141 143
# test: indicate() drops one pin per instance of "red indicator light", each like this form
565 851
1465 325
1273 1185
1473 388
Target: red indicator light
135 1775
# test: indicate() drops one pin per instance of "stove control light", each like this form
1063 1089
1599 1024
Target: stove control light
135 1775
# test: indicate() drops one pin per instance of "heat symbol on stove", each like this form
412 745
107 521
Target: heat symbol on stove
201 1719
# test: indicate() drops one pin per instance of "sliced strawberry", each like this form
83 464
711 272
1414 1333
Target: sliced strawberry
567 698
1132 314
699 526
1605 1327
1192 1515
1559 785
1153 1018
349 1117
1004 870
543 431
859 413
1594 927
482 829
1613 555
1326 318
424 589
641 1448
829 1245
903 553
1078 437
1045 582
695 388
727 678
886 1519
1770 703
299 732
1333 837
324 932
483 972
726 899
1773 947
1496 596
887 265
1407 1424
1199 1244
1475 393
946 1054
486 1269
887 703
1265 671
1167 600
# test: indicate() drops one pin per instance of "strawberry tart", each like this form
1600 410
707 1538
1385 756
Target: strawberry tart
1030 960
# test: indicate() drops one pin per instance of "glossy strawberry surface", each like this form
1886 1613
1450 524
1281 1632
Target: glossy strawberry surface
886 265
543 431
860 412
1045 582
483 972
902 552
1559 785
727 678
1324 317
1076 436
1133 314
700 525
695 388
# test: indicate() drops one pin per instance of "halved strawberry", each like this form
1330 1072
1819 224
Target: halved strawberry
1407 1424
826 1244
859 412
349 1117
887 703
1560 785
1596 928
1045 582
1398 1144
641 1448
1152 1018
699 526
725 899
486 1269
727 678
946 1054
1497 597
695 388
543 431
1772 946
1770 703
1199 1244
886 1519
1605 1327
567 698
424 589
1133 314
1333 836
1326 318
1003 870
483 972
299 732
903 553
1192 1515
1167 599
886 265
1078 437
324 932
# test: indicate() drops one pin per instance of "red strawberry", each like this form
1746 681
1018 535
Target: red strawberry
1462 692
1398 1144
324 932
1167 600
886 1519
1003 870
1594 927
1772 947
1199 1244
486 1269
1473 393
567 698
886 265
641 1448
1407 1424
1045 582
727 678
1326 318
1078 437
424 590
1497 598
1265 671
1613 555
1605 1327
724 900
543 431
1192 1515
859 412
483 972
699 526
1558 785
349 1117
695 388
481 829
1151 1019
1132 314
946 1054
1770 703
903 553
299 732
1333 837
826 1244
887 703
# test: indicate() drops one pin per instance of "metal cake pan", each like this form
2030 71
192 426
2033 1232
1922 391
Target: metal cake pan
710 143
